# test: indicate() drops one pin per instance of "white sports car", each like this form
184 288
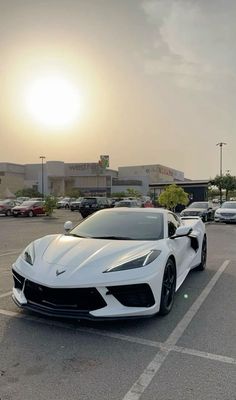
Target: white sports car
118 262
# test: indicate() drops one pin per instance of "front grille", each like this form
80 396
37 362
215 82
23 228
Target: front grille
73 299
18 280
228 215
139 295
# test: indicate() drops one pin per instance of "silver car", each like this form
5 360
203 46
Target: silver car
226 213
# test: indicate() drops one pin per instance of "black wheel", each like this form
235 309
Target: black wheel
8 213
168 288
30 213
205 218
202 266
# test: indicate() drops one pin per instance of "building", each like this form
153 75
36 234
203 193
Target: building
58 178
197 190
12 178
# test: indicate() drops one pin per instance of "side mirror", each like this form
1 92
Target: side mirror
68 226
182 231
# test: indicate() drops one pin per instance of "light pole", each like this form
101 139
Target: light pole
221 144
42 158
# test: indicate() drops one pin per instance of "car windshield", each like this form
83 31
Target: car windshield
119 224
28 203
228 205
5 201
89 201
198 205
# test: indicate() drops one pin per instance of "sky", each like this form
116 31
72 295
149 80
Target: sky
157 81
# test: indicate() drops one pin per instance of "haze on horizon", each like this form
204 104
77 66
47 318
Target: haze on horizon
157 80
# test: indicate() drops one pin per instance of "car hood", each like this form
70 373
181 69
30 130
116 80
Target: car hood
226 210
82 260
77 253
21 207
189 210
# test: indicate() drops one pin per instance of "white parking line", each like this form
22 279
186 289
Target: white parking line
11 252
5 294
151 370
204 354
165 348
132 339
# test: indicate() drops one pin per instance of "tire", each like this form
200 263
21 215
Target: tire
8 213
205 218
30 214
168 288
202 265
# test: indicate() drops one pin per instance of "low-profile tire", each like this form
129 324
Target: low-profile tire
168 288
8 213
30 214
202 265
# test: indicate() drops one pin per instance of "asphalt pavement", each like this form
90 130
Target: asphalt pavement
188 355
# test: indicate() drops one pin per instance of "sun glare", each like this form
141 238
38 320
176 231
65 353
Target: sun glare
53 101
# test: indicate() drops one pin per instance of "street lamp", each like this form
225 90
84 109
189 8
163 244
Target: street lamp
42 158
221 144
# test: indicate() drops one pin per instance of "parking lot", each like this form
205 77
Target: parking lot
189 354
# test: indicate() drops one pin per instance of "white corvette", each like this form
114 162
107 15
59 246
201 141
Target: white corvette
118 262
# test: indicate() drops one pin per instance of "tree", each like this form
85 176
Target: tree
27 192
49 205
132 193
226 182
119 195
172 196
74 192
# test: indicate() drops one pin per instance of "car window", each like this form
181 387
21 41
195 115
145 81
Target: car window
173 224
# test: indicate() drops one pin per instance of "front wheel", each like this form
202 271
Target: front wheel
8 213
168 288
202 265
30 214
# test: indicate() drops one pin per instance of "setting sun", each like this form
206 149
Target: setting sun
53 101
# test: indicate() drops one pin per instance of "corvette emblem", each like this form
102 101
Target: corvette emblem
60 272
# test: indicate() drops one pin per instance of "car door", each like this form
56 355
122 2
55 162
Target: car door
181 247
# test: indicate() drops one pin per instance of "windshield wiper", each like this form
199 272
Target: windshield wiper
112 237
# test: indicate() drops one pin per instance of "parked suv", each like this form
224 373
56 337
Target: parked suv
91 204
202 209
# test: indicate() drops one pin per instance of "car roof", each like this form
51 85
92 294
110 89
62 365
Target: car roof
138 209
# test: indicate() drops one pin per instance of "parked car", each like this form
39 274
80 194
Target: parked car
75 205
127 203
65 202
116 263
29 209
91 204
226 213
7 205
202 209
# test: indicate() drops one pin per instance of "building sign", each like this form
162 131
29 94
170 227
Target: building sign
83 167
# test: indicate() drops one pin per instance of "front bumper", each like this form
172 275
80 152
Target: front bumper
223 218
122 301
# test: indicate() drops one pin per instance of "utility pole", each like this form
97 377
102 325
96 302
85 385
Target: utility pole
221 144
42 158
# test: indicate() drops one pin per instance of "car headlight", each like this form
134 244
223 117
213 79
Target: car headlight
137 262
29 254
